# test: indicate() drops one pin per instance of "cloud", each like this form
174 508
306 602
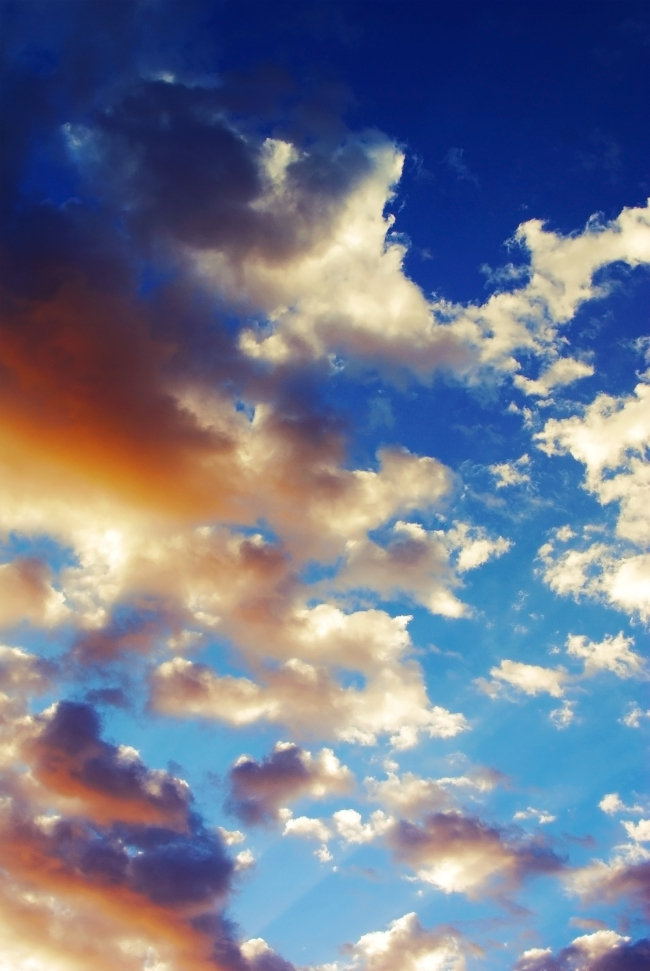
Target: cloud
541 815
611 654
104 861
633 717
564 371
420 564
26 593
345 824
462 854
308 700
604 950
410 947
529 678
23 673
611 803
640 832
362 265
308 827
609 574
627 875
411 796
611 439
564 716
511 473
258 790
107 783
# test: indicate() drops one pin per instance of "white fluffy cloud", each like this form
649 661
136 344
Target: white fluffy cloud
612 803
541 815
611 439
564 371
531 679
613 654
349 294
407 946
511 473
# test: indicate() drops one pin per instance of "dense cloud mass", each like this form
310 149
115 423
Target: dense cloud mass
97 848
259 492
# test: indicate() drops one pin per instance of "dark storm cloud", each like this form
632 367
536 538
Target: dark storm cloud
168 868
172 868
92 281
257 789
70 757
171 160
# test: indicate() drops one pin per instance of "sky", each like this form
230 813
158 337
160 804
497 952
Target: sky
325 486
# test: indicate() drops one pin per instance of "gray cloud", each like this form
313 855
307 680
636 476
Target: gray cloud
259 789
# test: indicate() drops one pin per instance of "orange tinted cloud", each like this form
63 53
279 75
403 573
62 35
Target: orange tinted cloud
83 392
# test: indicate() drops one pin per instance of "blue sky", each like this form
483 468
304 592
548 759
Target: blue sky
325 417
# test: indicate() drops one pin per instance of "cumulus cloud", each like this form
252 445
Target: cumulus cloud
564 371
409 946
604 950
352 298
607 573
611 439
612 803
611 654
633 717
511 473
22 673
258 790
531 679
104 861
346 825
107 783
307 699
640 832
626 875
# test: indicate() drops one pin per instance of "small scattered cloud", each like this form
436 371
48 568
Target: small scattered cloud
540 815
511 473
